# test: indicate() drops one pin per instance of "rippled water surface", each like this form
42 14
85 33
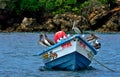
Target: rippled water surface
17 57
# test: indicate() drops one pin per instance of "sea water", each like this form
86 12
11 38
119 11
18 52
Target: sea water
18 57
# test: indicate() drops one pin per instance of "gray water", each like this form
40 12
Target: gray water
18 50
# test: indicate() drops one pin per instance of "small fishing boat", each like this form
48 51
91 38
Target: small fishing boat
71 53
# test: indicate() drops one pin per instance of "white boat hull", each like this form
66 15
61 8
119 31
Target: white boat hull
71 54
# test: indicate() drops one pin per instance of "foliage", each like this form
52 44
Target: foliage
53 6
29 5
107 1
21 5
37 8
47 5
58 6
13 5
87 7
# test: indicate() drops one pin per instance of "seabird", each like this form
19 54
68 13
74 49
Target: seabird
48 41
76 29
42 42
96 44
92 37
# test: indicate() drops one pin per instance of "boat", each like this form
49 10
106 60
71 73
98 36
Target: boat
72 53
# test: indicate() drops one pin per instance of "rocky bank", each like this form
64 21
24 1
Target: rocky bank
99 19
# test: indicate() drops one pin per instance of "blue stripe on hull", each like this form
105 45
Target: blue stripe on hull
73 61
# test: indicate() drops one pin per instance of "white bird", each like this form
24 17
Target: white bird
45 41
77 29
41 41
96 44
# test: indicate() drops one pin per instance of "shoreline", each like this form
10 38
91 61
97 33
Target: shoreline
69 32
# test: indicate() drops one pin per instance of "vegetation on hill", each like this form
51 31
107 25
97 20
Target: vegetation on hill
41 10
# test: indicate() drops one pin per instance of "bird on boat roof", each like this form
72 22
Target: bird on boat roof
93 40
92 37
45 41
41 41
96 44
76 29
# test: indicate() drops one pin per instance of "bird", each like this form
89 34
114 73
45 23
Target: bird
93 40
96 44
76 29
92 37
45 41
41 41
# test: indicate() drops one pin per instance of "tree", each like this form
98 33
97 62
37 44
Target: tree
109 2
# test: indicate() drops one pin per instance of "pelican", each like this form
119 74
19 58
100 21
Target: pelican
92 37
45 42
96 44
93 40
48 41
42 42
76 29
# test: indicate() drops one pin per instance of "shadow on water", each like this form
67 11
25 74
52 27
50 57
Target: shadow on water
43 68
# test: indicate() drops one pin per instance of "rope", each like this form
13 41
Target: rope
103 65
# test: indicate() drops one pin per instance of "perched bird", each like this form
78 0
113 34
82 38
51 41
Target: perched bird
45 41
92 37
76 29
41 41
96 44
93 40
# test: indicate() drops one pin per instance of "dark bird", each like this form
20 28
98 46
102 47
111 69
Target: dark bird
45 41
96 44
92 37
